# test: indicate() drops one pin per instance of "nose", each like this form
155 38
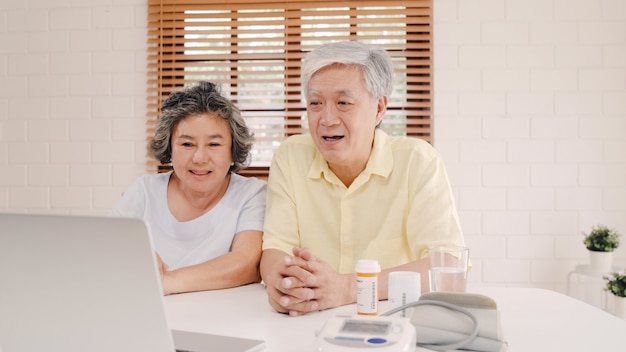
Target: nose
200 155
329 115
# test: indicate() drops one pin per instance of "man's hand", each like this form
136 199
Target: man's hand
302 283
330 288
285 283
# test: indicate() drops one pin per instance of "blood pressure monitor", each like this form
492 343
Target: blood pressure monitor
376 334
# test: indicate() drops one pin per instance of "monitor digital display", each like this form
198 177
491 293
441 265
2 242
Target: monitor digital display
366 327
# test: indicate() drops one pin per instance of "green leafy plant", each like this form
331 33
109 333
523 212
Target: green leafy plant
601 239
616 284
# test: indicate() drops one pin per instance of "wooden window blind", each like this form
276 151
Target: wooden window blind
254 50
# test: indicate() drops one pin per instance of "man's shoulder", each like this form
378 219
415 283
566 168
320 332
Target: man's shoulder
300 143
299 139
406 140
412 144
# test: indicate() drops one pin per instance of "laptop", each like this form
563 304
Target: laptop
87 283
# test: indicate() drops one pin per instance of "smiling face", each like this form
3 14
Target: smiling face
201 153
342 118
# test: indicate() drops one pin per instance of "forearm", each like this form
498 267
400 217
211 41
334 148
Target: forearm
420 265
229 270
238 267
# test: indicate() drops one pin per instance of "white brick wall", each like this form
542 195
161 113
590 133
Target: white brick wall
530 114
531 123
72 103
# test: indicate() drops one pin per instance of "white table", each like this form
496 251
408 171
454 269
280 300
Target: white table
532 320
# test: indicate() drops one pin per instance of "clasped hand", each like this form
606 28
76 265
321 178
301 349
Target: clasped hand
303 283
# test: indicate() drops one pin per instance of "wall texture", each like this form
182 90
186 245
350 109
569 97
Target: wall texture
72 103
530 114
530 106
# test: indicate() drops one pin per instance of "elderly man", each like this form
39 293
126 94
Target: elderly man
348 191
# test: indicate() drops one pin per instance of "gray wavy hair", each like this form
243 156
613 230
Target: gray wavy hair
375 64
202 98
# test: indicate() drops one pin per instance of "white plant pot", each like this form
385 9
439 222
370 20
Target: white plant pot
617 306
600 262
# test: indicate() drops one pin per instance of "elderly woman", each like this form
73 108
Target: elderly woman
348 191
206 221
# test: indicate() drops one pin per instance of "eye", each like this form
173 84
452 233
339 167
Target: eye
314 105
345 105
187 144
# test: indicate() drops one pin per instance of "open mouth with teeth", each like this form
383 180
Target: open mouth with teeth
199 173
332 138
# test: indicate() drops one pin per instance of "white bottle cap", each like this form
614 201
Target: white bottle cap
367 266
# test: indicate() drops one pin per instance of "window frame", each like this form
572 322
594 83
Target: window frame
167 32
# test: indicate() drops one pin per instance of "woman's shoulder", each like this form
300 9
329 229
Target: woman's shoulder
243 189
248 182
148 186
152 180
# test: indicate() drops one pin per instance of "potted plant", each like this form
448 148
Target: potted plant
601 242
616 285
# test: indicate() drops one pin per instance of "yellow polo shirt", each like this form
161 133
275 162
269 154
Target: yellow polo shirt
397 207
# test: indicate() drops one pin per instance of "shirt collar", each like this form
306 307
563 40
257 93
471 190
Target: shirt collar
379 163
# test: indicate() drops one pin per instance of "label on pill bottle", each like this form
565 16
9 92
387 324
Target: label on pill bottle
367 287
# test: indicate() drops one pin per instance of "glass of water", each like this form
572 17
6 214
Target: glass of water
448 268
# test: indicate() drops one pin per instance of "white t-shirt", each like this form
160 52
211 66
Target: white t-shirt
192 242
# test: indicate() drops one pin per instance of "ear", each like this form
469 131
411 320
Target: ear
381 106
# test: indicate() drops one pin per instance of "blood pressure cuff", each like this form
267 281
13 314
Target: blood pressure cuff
438 325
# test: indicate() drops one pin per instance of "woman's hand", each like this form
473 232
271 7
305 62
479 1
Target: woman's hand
162 271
